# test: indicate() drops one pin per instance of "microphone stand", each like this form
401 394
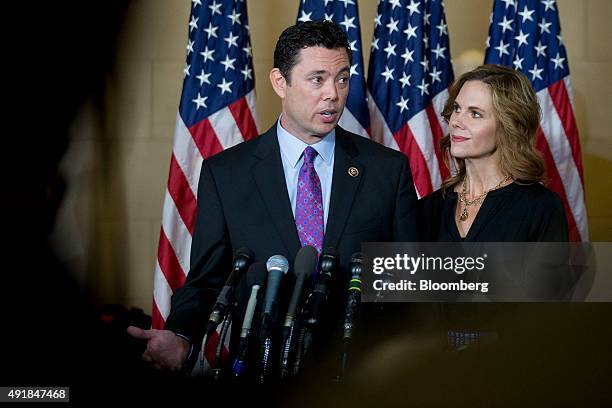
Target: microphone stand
351 311
217 371
266 348
287 349
300 329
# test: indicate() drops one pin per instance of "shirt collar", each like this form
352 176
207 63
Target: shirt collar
292 147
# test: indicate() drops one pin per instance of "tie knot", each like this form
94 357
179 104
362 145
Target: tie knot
309 155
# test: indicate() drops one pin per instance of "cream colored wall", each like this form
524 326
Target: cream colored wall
118 165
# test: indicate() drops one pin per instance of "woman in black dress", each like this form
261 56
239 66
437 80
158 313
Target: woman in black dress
496 193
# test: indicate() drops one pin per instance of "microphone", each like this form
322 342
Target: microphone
277 266
354 294
352 306
304 265
243 258
256 276
328 263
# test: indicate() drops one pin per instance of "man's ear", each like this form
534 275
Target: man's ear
278 81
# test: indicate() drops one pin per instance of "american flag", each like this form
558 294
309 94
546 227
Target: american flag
408 78
345 13
526 35
216 111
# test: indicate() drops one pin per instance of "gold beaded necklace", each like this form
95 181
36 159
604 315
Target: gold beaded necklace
466 203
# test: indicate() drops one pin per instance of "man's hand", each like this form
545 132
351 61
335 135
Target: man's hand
165 350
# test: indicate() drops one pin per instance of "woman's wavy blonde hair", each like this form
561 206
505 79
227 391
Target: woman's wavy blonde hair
517 116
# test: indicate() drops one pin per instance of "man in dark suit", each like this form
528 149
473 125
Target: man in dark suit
267 194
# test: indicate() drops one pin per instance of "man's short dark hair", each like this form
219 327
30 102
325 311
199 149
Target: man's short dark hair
307 34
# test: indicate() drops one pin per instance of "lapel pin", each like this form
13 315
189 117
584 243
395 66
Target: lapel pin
353 172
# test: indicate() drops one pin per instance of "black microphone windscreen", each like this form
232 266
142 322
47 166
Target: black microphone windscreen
357 257
256 275
329 251
328 261
244 252
306 261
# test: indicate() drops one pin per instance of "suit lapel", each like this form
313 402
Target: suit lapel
344 186
270 180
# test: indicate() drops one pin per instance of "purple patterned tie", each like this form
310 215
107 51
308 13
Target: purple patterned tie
309 203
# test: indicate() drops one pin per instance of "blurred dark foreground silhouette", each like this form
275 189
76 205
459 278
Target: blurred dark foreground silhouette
53 334
546 355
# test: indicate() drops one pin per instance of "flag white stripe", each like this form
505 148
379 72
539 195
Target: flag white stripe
176 231
187 154
421 131
225 127
570 91
348 122
561 151
438 103
162 292
379 125
250 98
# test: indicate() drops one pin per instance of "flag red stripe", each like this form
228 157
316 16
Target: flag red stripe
211 349
560 98
181 194
554 183
418 166
437 133
211 345
205 138
244 119
157 321
169 264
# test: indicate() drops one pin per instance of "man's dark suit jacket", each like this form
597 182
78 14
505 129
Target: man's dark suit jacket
243 202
